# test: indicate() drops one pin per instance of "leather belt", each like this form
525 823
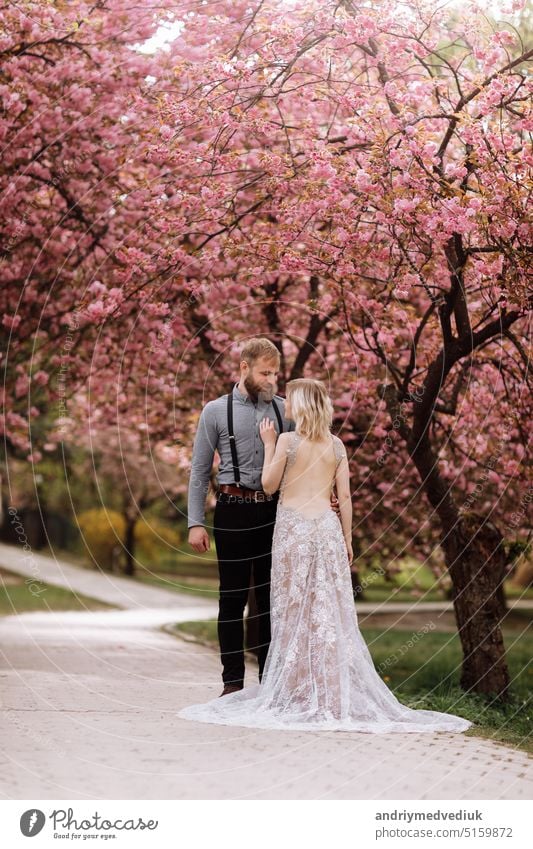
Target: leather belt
241 494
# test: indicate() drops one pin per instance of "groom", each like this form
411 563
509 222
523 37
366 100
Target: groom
244 515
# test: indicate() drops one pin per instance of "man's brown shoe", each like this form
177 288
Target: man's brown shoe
230 688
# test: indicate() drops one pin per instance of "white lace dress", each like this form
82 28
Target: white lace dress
319 674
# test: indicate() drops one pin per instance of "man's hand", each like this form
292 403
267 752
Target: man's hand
199 539
335 503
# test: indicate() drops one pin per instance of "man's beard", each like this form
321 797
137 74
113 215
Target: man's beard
258 392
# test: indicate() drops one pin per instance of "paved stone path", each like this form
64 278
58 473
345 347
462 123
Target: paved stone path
89 703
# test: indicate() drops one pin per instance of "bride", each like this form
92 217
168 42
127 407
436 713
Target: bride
319 674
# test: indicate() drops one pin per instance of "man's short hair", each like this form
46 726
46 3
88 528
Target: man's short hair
257 347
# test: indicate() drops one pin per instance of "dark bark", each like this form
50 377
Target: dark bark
315 328
475 559
129 546
475 556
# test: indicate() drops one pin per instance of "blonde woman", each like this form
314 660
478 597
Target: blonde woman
318 674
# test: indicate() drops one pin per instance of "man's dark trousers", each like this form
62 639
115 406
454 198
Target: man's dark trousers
243 538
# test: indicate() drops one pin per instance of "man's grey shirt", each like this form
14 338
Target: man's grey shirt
212 435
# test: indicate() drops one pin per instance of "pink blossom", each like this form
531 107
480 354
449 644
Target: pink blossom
22 385
11 322
41 377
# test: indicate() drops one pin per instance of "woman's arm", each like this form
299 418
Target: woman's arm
342 483
275 456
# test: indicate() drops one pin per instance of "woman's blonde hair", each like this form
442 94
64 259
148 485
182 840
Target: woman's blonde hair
311 407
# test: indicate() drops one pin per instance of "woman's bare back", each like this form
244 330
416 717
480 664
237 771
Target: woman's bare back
309 477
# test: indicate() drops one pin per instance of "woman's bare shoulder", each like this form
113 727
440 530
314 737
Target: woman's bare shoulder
340 447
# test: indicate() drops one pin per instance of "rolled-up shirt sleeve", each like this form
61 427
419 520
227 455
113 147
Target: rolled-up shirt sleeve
205 444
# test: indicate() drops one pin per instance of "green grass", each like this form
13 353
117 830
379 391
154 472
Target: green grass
204 632
426 675
17 596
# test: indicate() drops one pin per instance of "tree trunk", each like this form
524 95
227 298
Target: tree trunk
475 557
129 546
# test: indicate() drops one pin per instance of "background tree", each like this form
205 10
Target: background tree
67 127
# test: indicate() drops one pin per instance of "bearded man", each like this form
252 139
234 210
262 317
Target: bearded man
244 515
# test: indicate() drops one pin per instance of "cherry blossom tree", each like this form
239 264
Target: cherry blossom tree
69 74
350 179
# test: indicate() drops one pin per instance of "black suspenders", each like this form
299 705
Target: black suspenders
278 416
234 459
